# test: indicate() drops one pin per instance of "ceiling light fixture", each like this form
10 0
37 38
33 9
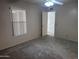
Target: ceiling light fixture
48 4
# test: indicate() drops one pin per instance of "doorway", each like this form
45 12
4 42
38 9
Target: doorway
48 23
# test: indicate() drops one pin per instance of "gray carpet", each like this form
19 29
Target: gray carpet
44 48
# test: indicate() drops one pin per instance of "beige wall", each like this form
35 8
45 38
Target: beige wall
33 24
67 22
44 23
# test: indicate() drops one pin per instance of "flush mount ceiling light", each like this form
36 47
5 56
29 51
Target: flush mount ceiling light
48 4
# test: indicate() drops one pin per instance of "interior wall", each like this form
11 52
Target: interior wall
67 22
33 16
44 23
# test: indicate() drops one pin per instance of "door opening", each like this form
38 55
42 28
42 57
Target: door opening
48 23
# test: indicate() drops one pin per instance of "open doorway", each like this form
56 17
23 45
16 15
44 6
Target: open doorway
48 23
51 23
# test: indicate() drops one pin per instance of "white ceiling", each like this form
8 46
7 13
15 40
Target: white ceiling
41 1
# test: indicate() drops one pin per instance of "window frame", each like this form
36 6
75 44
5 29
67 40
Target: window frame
18 21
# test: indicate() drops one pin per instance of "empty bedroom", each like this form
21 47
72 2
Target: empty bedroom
38 29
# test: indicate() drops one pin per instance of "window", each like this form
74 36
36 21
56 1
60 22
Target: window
19 22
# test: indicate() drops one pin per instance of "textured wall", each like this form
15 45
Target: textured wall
33 24
67 21
44 23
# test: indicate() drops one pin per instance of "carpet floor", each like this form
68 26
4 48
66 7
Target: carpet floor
46 47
